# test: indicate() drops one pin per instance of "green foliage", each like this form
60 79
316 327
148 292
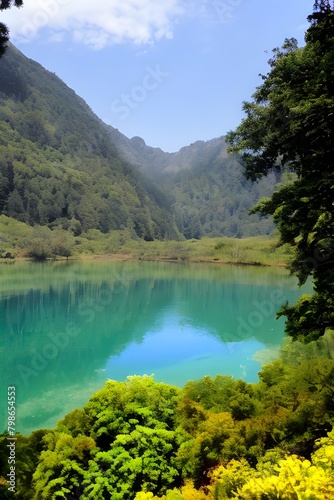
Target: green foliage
287 410
205 186
60 468
138 401
294 478
256 250
39 243
291 477
142 458
124 440
221 394
39 248
290 125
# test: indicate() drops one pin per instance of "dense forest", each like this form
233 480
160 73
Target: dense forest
214 199
215 438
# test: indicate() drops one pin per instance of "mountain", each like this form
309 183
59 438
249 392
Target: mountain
209 193
62 167
58 164
155 163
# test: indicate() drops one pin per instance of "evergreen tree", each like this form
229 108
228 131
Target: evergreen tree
290 124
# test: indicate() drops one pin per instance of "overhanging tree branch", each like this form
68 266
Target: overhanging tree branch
4 31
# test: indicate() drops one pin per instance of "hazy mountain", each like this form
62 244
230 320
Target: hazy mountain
210 195
154 161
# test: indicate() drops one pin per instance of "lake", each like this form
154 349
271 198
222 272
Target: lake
67 327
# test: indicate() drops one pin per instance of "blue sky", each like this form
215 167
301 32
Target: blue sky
169 71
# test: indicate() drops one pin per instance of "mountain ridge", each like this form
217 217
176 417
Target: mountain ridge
147 157
49 132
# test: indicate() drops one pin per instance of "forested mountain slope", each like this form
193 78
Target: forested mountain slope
214 199
58 165
207 186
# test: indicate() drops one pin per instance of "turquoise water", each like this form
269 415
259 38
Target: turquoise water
67 327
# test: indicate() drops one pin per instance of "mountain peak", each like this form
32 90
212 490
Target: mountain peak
138 142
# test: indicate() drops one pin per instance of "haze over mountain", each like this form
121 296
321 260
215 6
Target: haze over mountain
155 162
62 167
209 192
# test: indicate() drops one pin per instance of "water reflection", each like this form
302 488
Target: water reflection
176 351
67 327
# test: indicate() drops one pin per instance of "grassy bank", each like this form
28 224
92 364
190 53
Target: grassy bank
18 240
254 251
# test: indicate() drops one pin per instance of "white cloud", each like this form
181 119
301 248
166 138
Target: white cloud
97 24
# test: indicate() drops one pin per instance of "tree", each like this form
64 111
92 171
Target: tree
290 126
62 243
122 442
39 246
4 32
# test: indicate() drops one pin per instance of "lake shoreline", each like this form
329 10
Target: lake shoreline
191 260
253 251
134 258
